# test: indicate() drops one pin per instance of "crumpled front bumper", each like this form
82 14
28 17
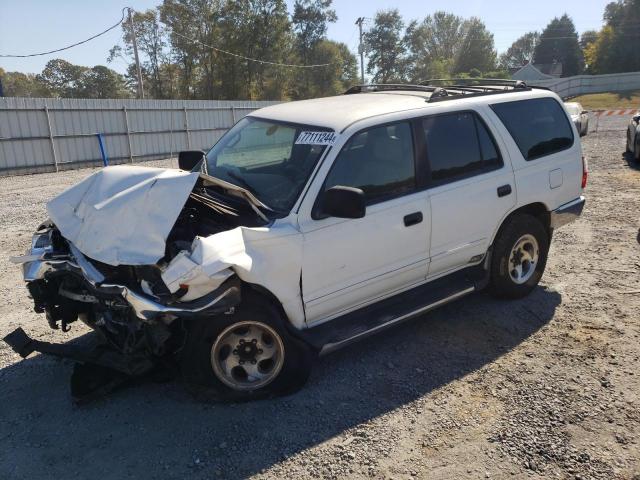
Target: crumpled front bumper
42 261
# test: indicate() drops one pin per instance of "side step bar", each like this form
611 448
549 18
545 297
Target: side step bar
339 332
332 347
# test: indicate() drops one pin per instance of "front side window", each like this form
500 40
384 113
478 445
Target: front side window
265 158
458 146
379 161
539 126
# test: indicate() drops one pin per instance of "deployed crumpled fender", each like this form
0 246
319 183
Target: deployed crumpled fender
267 256
122 215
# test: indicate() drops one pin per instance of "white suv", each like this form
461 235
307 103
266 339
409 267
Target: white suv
307 226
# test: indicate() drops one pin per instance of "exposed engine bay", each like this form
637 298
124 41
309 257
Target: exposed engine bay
138 308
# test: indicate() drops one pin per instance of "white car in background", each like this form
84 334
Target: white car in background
633 137
579 117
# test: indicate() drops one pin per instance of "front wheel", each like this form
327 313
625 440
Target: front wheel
246 355
519 257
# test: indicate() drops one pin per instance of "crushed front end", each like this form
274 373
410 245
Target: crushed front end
138 320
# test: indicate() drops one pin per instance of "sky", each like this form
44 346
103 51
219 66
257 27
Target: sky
30 26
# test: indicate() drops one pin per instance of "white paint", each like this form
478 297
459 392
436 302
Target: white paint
122 215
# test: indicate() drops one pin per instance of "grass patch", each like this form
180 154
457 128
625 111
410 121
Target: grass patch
592 101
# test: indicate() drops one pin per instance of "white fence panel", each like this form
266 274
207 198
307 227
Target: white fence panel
39 135
583 84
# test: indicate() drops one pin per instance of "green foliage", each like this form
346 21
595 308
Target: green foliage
18 84
433 44
559 44
60 78
520 52
615 49
477 50
386 49
444 44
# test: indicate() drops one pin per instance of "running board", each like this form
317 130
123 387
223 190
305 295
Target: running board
340 332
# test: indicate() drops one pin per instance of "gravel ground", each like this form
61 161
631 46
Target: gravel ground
544 387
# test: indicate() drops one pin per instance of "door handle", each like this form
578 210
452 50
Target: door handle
504 190
412 219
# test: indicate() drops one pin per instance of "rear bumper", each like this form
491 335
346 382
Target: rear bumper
567 213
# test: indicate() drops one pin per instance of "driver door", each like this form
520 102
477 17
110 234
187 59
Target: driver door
348 263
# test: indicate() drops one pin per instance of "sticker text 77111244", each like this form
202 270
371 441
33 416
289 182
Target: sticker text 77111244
316 138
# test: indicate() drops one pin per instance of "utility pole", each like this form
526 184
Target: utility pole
135 54
359 22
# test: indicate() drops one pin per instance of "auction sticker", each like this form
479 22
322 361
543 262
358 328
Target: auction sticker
316 138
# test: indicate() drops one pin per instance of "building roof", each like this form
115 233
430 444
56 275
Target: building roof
530 72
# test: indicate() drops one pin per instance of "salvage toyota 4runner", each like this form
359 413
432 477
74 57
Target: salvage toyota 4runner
308 225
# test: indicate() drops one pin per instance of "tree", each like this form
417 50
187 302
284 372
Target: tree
18 84
433 44
310 21
477 50
588 37
520 52
152 42
102 82
559 43
62 78
341 73
616 46
385 46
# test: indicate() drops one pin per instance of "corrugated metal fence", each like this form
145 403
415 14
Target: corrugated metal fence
45 135
582 84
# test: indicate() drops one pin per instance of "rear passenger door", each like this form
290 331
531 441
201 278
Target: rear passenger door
471 188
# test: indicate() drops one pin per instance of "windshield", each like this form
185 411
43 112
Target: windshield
266 158
573 108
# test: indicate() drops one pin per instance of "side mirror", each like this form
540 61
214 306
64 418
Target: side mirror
188 159
584 112
636 118
343 202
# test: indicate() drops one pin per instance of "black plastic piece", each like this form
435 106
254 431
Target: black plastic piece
343 202
412 219
504 190
188 159
100 355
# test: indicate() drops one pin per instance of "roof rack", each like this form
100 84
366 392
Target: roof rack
383 87
449 88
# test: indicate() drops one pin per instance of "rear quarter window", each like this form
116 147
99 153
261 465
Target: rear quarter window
539 126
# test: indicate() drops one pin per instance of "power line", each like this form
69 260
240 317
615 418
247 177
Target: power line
266 62
68 46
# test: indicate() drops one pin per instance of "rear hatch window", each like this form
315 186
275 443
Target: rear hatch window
539 126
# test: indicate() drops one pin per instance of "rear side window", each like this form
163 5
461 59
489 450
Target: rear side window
458 146
539 126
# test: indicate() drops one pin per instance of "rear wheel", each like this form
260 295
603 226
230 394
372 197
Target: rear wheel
246 355
519 256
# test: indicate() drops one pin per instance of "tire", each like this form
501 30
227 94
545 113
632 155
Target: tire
523 238
636 152
213 346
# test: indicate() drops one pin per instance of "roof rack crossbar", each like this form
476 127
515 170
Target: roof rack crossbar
381 87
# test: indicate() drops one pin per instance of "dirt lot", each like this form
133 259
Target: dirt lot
545 387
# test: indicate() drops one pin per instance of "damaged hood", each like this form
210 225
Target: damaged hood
122 215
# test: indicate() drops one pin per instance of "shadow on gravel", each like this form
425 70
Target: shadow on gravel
631 162
158 431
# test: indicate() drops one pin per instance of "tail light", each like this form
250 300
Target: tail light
585 172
